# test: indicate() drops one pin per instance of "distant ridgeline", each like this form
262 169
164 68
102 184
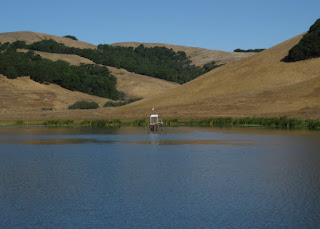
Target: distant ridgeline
159 62
308 47
248 50
90 79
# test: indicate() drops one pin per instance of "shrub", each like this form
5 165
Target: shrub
59 123
114 104
120 103
71 37
121 95
171 122
141 122
84 105
20 123
101 123
248 50
210 66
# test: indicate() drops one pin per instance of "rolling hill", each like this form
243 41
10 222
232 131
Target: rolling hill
261 85
23 94
198 56
132 84
31 37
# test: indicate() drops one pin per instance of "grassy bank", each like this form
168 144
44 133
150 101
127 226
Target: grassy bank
247 122
212 122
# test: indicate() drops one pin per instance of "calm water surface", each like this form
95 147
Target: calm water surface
181 178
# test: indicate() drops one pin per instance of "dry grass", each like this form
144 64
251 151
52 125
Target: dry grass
70 58
257 86
260 85
136 85
132 84
23 94
198 56
31 37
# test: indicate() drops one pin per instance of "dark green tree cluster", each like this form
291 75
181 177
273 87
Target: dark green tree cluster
308 47
90 79
210 66
71 37
51 46
159 62
121 103
13 46
84 105
249 50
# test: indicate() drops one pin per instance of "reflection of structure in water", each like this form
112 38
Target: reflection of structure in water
155 123
154 138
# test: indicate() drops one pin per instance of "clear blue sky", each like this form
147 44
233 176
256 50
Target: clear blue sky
221 25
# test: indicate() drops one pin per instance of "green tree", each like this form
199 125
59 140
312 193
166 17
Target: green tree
157 62
71 37
308 47
91 79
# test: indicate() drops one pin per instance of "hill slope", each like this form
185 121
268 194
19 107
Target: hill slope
260 85
23 94
136 85
31 37
132 84
198 56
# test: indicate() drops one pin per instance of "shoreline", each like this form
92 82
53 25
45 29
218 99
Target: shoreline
282 123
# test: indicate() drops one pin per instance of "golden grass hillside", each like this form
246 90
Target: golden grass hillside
23 94
260 85
31 37
22 98
136 85
198 56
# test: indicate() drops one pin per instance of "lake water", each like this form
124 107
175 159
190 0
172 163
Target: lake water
180 178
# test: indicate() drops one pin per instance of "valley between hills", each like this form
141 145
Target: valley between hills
247 85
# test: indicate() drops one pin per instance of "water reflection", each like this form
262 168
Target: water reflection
182 178
153 141
55 141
